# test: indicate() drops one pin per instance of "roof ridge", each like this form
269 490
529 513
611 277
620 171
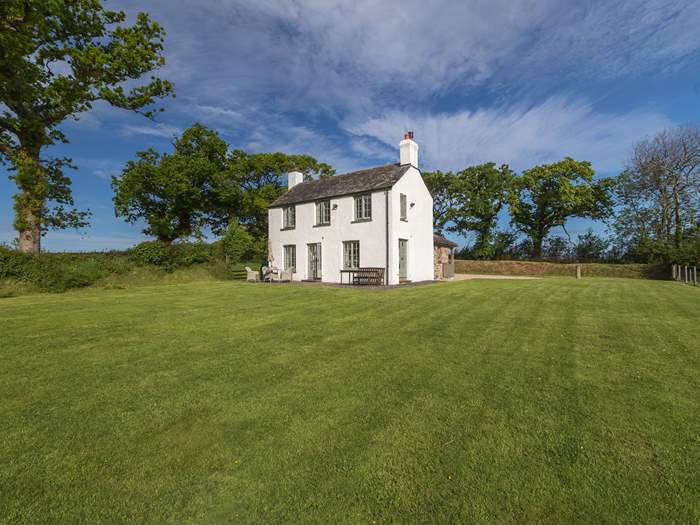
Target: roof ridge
367 179
332 177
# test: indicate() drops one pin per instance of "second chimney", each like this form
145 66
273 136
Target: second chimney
408 150
294 178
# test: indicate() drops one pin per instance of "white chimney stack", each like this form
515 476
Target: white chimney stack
408 150
294 178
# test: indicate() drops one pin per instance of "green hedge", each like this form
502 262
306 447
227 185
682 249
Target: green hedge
57 272
535 268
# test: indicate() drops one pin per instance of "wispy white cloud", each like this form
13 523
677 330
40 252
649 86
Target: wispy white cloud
518 135
102 168
158 129
360 57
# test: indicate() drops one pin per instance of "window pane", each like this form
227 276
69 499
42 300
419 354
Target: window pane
289 216
323 212
363 207
351 254
403 206
290 256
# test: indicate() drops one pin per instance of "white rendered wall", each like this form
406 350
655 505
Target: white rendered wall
417 229
371 235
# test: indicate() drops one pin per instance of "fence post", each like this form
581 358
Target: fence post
673 272
695 275
578 271
685 273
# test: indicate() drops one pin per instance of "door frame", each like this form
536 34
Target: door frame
317 273
404 243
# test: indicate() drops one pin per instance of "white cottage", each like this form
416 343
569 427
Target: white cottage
379 218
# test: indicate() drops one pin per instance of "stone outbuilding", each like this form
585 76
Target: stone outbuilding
443 257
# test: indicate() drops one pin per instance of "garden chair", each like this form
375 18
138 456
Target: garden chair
286 275
251 275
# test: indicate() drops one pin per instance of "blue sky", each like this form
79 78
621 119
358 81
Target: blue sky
517 82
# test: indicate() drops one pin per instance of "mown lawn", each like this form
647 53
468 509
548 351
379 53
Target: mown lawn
550 400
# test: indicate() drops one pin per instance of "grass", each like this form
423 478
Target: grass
550 400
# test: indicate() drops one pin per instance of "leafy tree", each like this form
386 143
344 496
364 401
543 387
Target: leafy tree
441 185
253 181
58 57
658 195
478 195
556 248
174 193
590 247
546 196
504 243
236 243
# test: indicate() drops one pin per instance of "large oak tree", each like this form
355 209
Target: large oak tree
203 185
173 192
546 196
57 58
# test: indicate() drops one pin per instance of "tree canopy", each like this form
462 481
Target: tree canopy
545 196
174 192
57 58
441 185
203 184
479 193
254 180
658 197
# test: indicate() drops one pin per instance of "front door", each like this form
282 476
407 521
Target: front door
403 258
315 261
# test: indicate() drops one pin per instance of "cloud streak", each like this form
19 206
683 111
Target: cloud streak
518 135
359 57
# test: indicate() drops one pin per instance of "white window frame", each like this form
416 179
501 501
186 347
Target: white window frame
290 256
323 213
351 255
403 201
289 217
363 207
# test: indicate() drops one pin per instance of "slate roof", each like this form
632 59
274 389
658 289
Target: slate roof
348 183
439 240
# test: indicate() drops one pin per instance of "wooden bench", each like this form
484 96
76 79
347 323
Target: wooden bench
364 276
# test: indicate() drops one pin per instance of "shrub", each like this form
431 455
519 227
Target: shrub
16 265
151 252
71 274
188 254
237 244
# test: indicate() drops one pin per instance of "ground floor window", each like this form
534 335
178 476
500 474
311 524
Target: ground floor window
290 256
351 255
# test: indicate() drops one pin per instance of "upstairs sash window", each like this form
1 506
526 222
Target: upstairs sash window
363 207
290 217
323 213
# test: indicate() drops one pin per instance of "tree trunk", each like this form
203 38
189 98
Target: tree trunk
30 202
537 246
678 230
29 232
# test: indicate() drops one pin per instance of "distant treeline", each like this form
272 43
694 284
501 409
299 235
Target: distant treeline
652 209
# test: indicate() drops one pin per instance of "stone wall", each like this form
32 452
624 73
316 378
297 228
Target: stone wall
441 255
